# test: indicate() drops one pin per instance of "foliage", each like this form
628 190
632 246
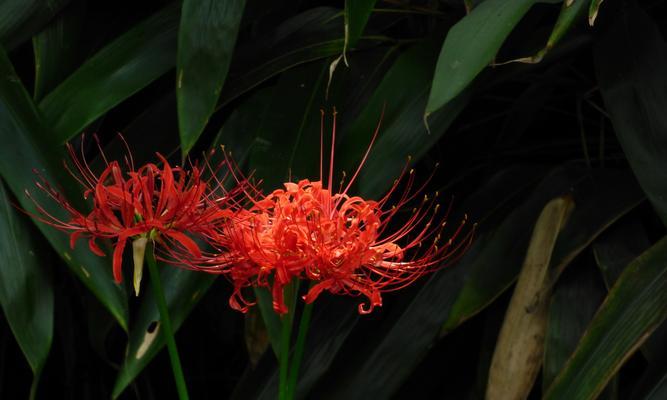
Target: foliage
519 102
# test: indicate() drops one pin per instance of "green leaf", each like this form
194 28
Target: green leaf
579 286
617 247
206 40
470 46
57 49
635 306
20 19
634 91
29 146
26 294
356 15
613 251
122 68
183 289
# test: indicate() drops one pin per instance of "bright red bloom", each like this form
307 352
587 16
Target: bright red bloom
343 244
162 203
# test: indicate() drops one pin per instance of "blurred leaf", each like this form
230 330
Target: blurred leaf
122 68
356 14
659 392
206 39
56 49
312 35
332 322
635 306
20 19
29 146
402 95
517 359
596 209
595 212
575 300
183 289
470 46
270 318
287 134
634 90
256 335
617 247
26 294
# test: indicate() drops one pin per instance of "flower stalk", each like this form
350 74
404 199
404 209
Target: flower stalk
165 322
289 366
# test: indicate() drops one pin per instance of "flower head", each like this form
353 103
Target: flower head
159 202
342 244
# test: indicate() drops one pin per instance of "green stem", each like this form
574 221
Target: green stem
289 293
304 324
165 323
284 356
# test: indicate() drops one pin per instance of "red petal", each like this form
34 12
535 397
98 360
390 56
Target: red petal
315 291
185 241
279 305
73 237
95 248
118 259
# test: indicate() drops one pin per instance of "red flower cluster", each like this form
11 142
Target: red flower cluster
340 243
157 202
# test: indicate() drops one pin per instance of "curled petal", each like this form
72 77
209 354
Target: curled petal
118 259
94 247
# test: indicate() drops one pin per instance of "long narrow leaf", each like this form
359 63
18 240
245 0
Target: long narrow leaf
636 305
26 294
29 147
20 19
122 68
470 46
634 90
206 39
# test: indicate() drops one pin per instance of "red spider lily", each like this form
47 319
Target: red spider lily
343 244
160 203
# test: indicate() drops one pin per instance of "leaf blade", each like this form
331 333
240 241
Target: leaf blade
119 70
26 293
206 40
486 26
635 306
28 147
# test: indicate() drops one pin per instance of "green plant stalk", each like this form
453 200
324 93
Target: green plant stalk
165 323
290 291
304 324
